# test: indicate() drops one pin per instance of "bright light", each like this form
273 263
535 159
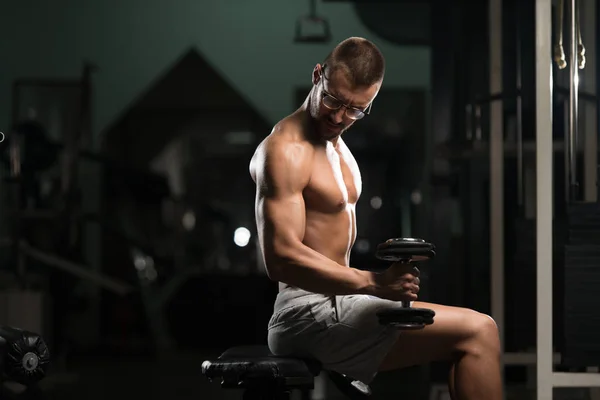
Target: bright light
416 197
144 265
189 220
376 202
363 246
241 237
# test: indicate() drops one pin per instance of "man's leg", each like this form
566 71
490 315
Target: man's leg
451 383
468 339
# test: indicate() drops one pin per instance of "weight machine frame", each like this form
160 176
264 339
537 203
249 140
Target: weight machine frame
545 358
547 378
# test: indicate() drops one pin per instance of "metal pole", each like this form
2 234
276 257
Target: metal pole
544 196
586 15
496 169
567 153
520 195
573 102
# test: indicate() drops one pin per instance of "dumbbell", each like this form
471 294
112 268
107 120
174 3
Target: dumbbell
405 250
24 356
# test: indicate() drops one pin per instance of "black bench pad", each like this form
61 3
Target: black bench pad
251 366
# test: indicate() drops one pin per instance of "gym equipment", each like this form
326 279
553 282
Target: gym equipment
577 61
264 376
51 119
26 251
29 151
559 51
37 152
312 28
24 360
405 250
24 356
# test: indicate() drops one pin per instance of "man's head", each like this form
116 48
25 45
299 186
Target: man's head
345 85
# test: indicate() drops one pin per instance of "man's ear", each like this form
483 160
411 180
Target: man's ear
316 74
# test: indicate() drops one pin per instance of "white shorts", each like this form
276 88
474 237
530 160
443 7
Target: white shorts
341 332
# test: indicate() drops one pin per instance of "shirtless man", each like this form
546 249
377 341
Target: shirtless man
308 184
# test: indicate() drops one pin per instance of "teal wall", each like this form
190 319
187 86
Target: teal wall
134 41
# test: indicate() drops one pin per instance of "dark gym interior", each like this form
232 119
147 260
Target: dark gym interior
128 244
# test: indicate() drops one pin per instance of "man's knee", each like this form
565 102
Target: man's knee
482 333
487 327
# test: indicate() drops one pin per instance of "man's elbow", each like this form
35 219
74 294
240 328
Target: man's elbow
273 272
278 265
275 269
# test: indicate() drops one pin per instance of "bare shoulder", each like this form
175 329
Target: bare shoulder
284 154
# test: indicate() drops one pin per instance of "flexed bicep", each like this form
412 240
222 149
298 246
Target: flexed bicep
280 220
281 171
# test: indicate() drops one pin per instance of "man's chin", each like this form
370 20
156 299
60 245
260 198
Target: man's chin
329 132
328 135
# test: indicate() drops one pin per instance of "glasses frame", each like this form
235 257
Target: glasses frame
362 112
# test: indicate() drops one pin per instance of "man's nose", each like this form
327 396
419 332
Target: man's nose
338 115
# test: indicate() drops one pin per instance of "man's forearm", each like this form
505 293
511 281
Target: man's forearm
309 270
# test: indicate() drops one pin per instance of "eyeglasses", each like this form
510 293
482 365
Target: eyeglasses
333 103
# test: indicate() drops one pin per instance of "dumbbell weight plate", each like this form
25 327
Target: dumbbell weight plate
406 318
398 249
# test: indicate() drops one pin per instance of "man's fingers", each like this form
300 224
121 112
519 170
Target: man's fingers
412 296
407 268
410 288
411 278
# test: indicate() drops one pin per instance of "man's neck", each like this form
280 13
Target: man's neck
309 121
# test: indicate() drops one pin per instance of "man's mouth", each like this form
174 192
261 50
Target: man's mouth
332 126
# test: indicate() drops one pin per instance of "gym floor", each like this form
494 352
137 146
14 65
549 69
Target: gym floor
177 377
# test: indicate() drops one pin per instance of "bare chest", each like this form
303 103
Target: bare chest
335 180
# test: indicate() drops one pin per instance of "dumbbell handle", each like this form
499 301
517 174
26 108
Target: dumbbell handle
404 303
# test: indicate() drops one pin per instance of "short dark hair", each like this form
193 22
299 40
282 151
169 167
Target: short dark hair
361 61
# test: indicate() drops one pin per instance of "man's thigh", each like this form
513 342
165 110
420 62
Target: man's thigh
452 327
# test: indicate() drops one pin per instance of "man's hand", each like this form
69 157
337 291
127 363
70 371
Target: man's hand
400 282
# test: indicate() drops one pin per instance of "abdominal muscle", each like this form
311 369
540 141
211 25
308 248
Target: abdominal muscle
331 235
